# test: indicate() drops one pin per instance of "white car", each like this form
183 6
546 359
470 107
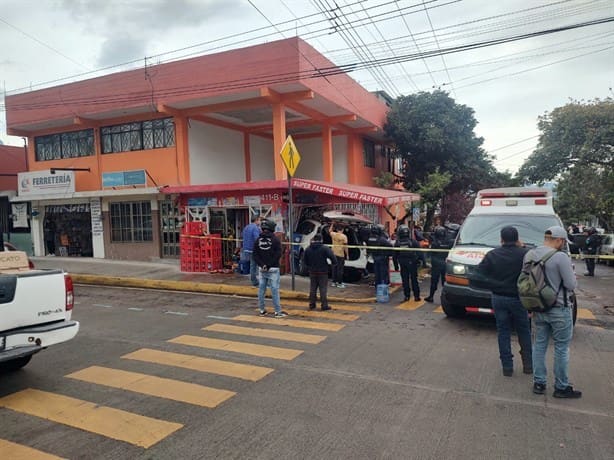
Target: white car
607 248
355 228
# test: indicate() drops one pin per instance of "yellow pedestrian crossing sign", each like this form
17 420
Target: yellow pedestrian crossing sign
290 156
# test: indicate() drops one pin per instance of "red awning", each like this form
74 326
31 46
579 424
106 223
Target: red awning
358 193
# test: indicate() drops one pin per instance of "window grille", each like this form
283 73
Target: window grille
73 144
131 222
141 135
368 153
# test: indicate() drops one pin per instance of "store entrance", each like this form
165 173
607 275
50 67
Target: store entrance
68 230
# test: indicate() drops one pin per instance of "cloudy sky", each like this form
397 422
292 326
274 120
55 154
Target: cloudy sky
47 42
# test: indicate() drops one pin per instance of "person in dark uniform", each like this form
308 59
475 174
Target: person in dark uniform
49 230
438 259
378 241
591 246
407 260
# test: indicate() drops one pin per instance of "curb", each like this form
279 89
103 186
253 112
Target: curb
205 288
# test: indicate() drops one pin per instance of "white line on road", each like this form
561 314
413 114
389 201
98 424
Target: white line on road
179 313
219 317
102 305
135 309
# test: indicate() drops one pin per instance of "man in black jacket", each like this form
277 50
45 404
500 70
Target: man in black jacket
316 256
441 240
267 252
591 246
500 269
377 247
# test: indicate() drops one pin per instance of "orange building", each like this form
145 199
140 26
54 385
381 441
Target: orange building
117 161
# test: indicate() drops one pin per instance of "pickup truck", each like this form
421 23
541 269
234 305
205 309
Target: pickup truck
35 310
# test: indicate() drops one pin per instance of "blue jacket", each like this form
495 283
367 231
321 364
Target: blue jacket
250 233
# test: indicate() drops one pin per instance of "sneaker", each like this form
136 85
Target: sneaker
341 285
334 285
405 299
280 314
326 308
539 388
568 392
508 371
312 307
262 313
429 299
417 299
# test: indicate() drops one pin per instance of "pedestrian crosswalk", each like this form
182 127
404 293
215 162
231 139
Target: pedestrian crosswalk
285 340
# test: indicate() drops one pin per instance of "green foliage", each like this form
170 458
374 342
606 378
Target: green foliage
576 148
435 137
385 180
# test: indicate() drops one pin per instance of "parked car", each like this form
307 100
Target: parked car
10 247
353 223
607 248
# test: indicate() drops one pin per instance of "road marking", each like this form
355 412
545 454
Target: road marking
14 451
359 308
101 305
175 390
219 317
113 423
585 313
290 322
178 313
253 349
438 310
197 363
323 314
410 305
135 309
268 333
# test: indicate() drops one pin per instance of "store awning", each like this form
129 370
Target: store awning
358 193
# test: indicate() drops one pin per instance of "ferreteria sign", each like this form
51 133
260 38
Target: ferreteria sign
45 183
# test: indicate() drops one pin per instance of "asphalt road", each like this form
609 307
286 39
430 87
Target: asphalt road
375 384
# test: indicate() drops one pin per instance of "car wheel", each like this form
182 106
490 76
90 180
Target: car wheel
351 274
302 268
452 311
15 364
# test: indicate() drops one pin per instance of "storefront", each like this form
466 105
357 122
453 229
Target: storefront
67 230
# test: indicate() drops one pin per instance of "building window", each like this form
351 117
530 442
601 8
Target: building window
65 145
140 135
131 222
368 153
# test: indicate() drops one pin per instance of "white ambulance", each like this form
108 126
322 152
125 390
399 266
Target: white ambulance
530 210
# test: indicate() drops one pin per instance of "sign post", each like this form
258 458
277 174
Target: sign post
291 158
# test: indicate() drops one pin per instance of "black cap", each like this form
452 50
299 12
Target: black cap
509 234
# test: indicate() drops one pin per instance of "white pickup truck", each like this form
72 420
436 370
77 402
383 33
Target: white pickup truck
35 310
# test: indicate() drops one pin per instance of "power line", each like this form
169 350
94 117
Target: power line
513 143
443 60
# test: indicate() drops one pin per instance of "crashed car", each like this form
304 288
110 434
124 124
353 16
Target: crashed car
354 228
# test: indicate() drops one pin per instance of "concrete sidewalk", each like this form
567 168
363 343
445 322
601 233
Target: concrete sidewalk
165 274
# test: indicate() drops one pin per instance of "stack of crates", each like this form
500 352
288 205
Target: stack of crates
200 253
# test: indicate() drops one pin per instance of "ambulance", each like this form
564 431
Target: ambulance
529 210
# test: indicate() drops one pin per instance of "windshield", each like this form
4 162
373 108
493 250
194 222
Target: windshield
485 230
305 227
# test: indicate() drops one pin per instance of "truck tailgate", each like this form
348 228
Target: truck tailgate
34 297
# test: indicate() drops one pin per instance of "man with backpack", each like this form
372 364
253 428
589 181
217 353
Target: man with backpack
407 259
316 260
554 320
500 268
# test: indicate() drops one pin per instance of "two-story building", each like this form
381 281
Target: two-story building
117 163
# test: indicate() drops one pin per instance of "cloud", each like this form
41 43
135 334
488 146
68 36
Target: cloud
121 49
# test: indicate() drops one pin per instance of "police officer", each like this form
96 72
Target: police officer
438 259
407 260
378 241
592 243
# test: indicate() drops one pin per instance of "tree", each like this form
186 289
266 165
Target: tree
576 148
435 136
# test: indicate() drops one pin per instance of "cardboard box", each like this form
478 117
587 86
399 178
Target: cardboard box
11 261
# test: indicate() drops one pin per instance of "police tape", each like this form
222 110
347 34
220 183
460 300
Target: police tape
387 248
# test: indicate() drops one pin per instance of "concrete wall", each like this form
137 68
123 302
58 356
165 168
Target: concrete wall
261 155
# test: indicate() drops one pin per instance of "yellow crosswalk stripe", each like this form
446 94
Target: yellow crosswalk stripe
336 306
113 423
267 333
290 322
12 451
585 313
252 349
410 305
175 390
197 363
438 310
323 314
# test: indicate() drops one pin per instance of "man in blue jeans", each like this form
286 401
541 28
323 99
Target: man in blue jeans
556 322
249 236
267 252
500 269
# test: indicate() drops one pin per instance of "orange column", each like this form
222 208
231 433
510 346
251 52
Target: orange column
182 150
247 160
327 153
98 153
279 137
354 157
